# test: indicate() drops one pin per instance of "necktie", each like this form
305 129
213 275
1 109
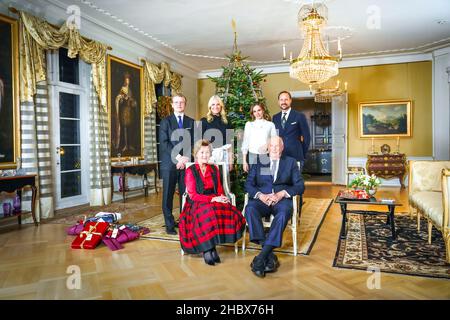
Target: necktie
283 121
273 167
180 122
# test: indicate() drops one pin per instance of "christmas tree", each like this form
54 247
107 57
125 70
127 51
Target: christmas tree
239 87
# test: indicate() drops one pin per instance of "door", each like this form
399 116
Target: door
70 142
339 112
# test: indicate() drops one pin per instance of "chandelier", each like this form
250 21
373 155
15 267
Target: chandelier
314 65
325 94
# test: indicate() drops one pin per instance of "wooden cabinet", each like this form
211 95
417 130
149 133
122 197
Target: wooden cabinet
387 166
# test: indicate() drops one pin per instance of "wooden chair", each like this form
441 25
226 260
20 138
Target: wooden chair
224 180
293 224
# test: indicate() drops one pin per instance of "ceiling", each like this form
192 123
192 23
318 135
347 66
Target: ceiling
187 30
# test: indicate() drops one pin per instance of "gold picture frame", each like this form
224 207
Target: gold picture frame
384 119
9 93
125 109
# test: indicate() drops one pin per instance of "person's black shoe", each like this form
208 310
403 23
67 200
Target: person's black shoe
258 265
215 256
208 258
272 263
171 231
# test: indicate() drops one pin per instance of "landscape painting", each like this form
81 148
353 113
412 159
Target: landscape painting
385 119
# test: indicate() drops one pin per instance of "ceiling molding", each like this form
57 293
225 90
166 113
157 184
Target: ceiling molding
346 63
175 63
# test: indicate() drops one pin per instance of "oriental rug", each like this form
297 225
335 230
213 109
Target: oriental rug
311 218
369 246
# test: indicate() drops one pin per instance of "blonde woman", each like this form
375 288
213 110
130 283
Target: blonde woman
214 129
256 134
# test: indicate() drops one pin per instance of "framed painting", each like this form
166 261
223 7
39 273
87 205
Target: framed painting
126 108
9 93
385 119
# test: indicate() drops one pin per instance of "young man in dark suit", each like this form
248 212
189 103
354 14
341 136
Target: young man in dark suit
270 187
293 127
176 136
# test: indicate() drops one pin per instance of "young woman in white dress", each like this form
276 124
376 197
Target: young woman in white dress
256 134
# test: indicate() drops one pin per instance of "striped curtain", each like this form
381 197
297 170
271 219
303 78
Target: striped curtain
100 173
36 154
150 137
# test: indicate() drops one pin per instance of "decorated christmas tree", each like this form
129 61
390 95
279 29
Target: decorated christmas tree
239 86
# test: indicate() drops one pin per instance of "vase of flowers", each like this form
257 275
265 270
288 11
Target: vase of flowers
366 182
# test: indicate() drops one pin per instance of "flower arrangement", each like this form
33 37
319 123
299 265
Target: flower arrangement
364 181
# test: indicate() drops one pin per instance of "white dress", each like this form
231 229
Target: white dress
256 134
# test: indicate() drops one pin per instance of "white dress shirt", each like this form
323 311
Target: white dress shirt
256 134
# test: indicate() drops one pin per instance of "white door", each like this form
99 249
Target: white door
70 133
339 112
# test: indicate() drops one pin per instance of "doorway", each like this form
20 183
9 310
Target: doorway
317 168
69 83
328 142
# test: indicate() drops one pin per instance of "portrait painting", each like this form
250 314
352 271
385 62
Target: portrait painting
126 108
9 94
385 119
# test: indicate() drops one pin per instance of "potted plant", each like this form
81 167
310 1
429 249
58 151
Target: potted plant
366 182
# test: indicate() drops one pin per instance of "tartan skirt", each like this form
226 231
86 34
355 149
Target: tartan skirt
203 225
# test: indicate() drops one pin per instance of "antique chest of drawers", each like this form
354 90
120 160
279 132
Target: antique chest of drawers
387 166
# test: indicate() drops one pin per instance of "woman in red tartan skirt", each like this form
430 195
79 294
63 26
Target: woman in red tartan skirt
208 218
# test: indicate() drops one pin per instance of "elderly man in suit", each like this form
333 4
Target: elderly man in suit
271 186
293 127
176 137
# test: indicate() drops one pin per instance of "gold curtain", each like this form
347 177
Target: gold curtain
155 75
37 35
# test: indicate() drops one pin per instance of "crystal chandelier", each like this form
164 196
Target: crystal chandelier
325 94
314 65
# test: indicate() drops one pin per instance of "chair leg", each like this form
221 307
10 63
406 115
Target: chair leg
411 211
447 246
294 240
236 248
418 220
430 228
182 252
243 238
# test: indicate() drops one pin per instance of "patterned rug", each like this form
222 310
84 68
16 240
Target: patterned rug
369 244
124 208
313 213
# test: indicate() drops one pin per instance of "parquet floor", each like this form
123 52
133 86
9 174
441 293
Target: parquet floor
34 264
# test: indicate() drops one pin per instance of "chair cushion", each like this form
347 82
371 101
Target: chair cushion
430 203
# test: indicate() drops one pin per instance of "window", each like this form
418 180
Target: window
68 68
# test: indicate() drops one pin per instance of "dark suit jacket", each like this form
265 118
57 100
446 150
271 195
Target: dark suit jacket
296 126
259 178
182 140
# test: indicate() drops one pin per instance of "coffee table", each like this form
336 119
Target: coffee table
343 202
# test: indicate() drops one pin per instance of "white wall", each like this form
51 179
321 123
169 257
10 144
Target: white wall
441 104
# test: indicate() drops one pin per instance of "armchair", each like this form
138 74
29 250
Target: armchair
224 180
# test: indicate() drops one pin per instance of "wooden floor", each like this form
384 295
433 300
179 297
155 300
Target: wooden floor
34 263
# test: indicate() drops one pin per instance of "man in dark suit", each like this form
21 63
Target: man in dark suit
175 144
270 187
293 127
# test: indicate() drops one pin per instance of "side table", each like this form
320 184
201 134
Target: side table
139 169
16 184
